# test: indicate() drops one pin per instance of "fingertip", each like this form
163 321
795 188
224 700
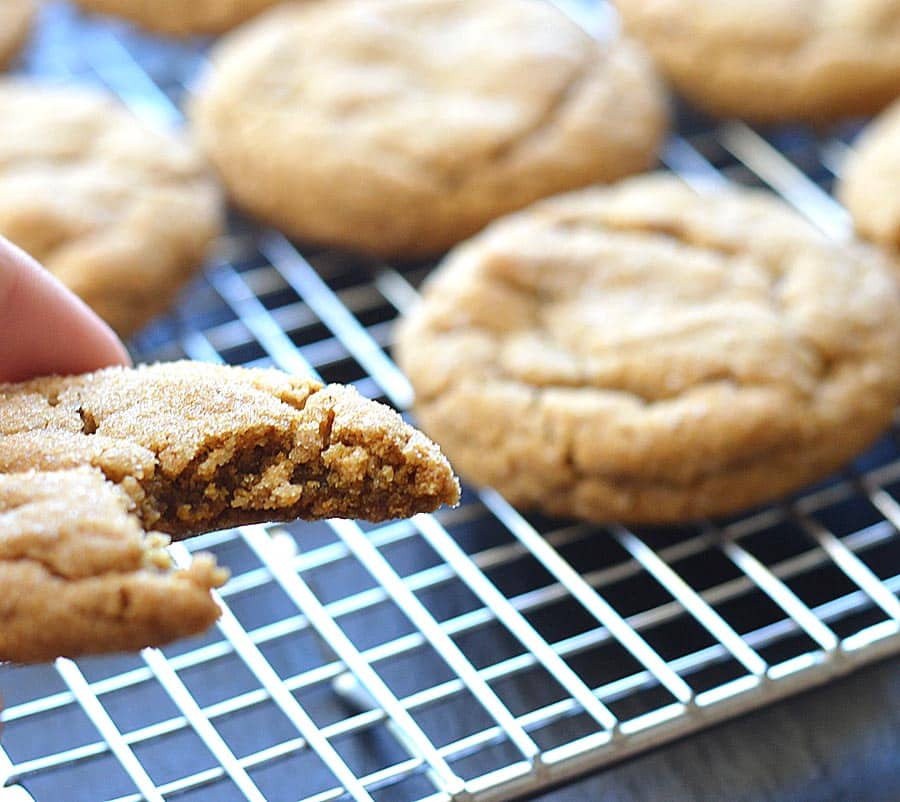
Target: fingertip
46 329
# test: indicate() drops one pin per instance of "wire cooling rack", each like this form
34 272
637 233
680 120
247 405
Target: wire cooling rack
477 654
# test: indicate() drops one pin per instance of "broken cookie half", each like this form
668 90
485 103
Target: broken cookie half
90 463
199 447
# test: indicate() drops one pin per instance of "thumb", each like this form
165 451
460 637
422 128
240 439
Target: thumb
44 328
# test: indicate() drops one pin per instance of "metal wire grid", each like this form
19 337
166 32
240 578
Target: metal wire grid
472 655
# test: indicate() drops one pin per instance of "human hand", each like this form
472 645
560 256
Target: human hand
44 328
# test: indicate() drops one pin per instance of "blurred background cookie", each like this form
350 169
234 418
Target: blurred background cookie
16 17
403 126
181 18
870 181
774 60
118 211
646 354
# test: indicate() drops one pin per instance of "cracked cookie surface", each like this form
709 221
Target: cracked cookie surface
120 212
647 354
868 183
402 126
80 576
199 447
181 19
16 17
777 60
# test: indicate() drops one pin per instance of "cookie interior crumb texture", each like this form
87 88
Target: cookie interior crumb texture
121 213
199 447
647 354
400 127
79 575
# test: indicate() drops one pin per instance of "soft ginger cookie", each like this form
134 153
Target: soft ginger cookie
181 18
79 576
774 60
16 17
399 127
869 184
646 354
199 447
120 212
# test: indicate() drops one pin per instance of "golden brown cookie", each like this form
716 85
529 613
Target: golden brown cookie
399 127
646 354
16 17
774 60
869 184
120 212
181 18
79 576
200 447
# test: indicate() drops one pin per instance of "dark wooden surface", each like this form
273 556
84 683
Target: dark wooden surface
839 743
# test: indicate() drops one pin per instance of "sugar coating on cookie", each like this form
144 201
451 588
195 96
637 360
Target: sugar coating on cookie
399 127
869 183
647 354
181 18
80 576
16 17
122 213
199 447
774 60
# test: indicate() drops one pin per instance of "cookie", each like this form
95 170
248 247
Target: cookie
399 127
199 447
79 575
88 463
646 354
16 17
181 19
870 179
778 60
120 212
